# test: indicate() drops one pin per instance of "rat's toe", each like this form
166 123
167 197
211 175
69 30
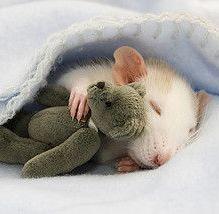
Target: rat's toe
125 169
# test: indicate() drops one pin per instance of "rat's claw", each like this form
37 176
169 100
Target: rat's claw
71 98
86 109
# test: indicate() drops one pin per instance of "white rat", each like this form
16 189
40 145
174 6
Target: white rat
174 110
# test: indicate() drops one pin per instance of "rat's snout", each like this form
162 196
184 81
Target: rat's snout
100 85
161 159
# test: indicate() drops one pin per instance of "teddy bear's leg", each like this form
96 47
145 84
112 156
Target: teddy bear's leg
75 151
15 149
53 95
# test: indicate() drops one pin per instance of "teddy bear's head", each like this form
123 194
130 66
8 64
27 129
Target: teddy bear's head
118 111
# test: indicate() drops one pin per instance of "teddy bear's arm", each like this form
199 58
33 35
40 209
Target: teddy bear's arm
53 95
75 151
16 149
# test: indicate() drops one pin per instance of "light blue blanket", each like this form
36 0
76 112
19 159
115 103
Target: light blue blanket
188 43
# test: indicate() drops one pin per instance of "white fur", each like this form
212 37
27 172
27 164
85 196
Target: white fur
168 132
164 133
82 76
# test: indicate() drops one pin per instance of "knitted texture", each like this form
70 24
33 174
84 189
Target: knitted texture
180 37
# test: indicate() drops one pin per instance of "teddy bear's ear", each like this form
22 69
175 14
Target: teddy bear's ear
139 87
129 66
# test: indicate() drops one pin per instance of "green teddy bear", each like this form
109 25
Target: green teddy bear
50 142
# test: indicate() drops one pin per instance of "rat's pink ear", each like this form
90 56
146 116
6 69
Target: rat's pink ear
129 66
203 100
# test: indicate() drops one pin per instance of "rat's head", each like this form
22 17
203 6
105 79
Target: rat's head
172 123
174 110
118 111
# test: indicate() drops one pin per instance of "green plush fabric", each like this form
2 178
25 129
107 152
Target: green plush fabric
75 151
53 95
118 111
50 142
19 124
53 125
15 149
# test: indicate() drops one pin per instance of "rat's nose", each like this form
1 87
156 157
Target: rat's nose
100 85
161 159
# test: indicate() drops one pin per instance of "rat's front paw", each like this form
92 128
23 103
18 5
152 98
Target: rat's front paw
126 164
78 104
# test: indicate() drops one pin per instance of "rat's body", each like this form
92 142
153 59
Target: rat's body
82 76
173 109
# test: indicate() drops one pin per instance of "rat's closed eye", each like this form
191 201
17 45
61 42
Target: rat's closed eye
191 130
155 107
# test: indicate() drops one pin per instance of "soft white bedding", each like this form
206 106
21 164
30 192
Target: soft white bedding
186 184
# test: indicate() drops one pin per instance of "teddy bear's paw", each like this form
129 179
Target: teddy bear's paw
126 164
